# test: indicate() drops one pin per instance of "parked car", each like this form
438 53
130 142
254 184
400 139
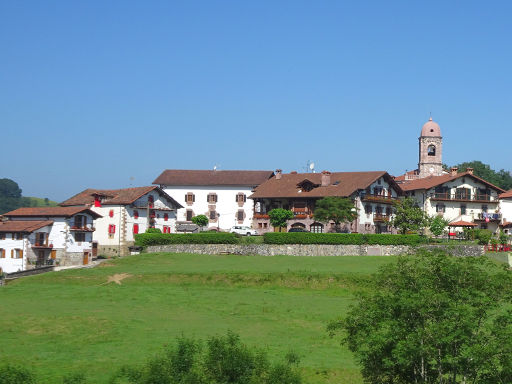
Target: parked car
298 230
243 230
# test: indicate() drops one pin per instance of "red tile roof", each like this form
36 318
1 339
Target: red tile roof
461 223
26 226
209 177
342 184
506 195
50 212
433 181
123 196
408 174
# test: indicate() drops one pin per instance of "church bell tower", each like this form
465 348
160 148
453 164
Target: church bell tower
431 150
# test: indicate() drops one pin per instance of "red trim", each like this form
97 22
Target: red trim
135 228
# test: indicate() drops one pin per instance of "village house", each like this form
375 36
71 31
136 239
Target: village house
506 211
39 236
373 194
124 213
463 199
220 195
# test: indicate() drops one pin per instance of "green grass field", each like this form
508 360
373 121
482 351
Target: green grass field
73 321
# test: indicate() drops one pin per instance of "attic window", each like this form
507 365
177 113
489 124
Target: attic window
336 182
306 186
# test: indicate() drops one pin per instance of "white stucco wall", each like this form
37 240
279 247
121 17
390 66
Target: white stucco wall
226 204
9 264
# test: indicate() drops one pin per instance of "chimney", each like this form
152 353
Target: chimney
293 172
326 178
279 173
453 171
469 170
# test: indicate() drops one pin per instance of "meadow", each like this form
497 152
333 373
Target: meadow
82 320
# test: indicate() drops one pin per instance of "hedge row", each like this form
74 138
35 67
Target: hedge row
341 238
146 239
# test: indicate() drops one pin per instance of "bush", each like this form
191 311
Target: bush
153 230
11 374
74 378
220 360
483 236
341 238
146 239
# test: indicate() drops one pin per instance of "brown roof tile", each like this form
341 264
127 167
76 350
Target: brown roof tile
115 196
210 177
27 226
461 223
506 195
50 212
433 181
342 184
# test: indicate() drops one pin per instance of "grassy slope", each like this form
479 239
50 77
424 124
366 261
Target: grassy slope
39 202
70 321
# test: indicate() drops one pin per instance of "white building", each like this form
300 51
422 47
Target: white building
373 194
220 195
126 212
47 235
506 211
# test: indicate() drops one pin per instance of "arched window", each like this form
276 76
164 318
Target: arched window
431 151
317 228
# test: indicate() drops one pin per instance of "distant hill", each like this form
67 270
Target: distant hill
11 198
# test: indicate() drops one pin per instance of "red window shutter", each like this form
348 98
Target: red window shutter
135 214
166 216
135 228
111 213
113 229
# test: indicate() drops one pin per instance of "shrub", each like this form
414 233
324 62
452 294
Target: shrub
74 378
12 374
153 230
146 239
483 236
223 359
341 238
200 220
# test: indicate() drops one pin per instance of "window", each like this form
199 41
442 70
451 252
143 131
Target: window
79 236
213 215
462 193
265 225
368 209
211 198
81 221
378 210
190 198
316 228
388 211
484 208
440 208
166 216
41 238
240 215
431 151
135 228
260 225
463 209
483 225
240 198
2 236
151 201
111 229
166 229
135 214
189 215
111 213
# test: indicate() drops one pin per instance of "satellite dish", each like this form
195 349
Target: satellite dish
312 166
214 167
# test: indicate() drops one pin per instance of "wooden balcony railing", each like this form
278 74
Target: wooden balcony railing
464 197
386 199
381 217
261 216
491 216
82 228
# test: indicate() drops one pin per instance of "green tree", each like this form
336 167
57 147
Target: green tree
408 216
279 217
9 188
501 178
221 360
437 225
200 220
336 209
433 318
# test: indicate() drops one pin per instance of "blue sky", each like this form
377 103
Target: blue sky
97 94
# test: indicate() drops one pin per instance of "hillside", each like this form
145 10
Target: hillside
11 197
76 320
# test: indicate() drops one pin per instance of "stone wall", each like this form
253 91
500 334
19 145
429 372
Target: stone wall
312 249
115 250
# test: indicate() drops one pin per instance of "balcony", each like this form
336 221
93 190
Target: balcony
82 228
484 216
385 199
42 246
381 218
302 213
261 216
156 207
476 198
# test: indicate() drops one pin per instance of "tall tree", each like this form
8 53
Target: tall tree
408 216
433 318
336 209
501 178
9 188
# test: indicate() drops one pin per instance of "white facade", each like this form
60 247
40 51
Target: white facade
506 212
119 223
230 205
479 205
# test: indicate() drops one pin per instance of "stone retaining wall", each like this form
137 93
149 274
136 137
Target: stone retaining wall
312 249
